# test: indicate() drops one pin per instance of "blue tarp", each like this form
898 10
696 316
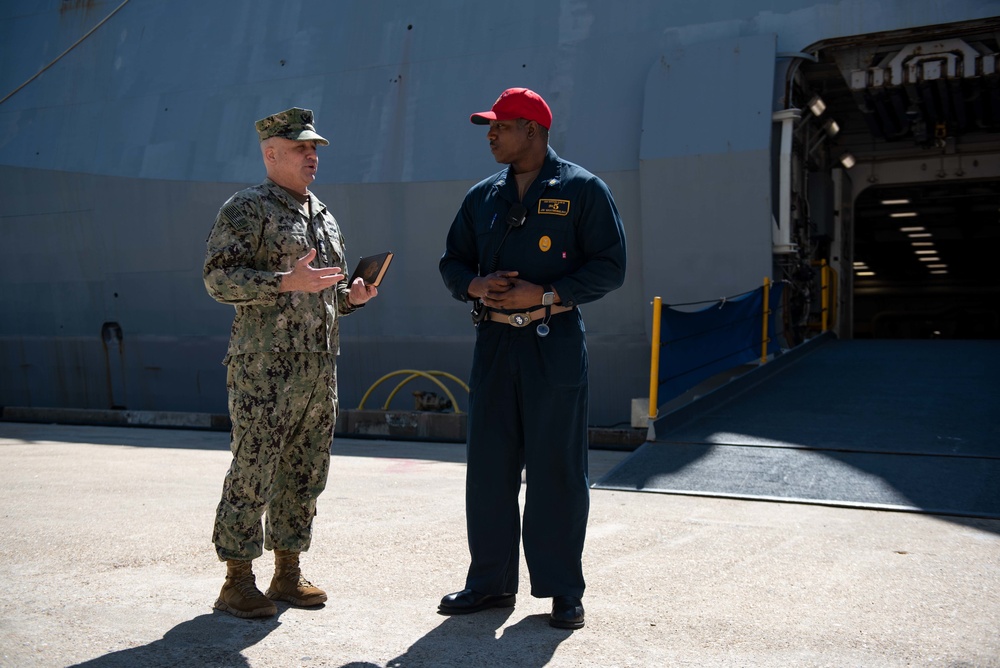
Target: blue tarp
696 345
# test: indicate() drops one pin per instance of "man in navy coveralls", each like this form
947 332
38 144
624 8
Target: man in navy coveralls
529 245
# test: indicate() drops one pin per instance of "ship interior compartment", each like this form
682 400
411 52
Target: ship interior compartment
898 181
925 261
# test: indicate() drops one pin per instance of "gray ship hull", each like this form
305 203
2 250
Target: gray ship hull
116 157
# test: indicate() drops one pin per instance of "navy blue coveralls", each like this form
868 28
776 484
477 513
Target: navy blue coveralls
528 404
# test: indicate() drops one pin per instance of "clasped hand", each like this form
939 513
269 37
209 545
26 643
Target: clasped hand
503 290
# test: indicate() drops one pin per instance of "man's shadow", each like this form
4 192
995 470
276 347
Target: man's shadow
213 639
470 640
218 639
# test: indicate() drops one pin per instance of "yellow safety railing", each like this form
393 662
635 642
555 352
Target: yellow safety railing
654 356
824 281
413 373
654 364
765 338
828 295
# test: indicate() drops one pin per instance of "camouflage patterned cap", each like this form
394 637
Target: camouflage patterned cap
295 124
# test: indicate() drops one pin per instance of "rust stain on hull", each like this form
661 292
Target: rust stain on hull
85 6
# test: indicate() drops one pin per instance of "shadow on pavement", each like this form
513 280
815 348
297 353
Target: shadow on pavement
218 639
214 639
470 640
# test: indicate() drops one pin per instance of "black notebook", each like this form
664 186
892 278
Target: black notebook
372 268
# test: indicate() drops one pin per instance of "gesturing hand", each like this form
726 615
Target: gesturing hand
303 278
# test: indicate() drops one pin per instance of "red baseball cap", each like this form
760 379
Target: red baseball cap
516 103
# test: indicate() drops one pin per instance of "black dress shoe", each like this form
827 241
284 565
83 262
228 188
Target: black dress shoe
466 601
567 612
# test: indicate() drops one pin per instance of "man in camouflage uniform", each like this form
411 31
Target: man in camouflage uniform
282 374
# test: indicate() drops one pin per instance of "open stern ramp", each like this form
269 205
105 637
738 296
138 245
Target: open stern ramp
908 425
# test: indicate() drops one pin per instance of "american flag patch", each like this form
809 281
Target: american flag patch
235 217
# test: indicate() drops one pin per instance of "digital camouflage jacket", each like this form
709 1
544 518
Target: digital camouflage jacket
259 232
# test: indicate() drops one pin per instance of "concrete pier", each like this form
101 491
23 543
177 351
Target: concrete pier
106 560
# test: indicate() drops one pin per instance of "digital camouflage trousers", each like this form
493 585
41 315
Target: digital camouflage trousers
283 408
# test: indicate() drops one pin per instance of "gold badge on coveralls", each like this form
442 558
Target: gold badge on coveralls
552 207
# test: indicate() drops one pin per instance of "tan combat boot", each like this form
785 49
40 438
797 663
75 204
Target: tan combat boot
240 596
288 583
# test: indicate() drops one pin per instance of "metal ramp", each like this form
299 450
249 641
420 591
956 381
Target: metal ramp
903 425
